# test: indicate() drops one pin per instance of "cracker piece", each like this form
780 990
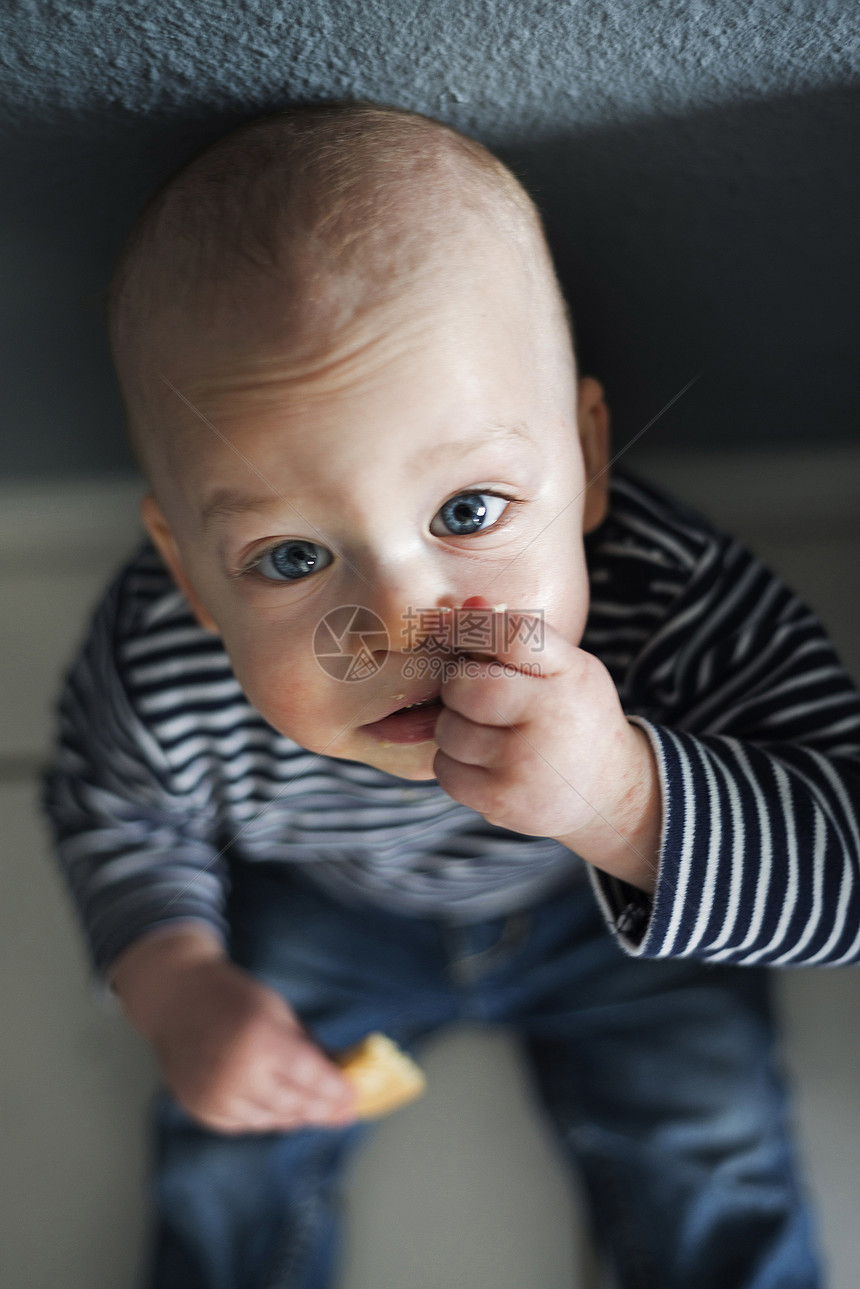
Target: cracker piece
384 1077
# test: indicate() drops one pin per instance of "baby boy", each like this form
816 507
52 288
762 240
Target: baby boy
351 386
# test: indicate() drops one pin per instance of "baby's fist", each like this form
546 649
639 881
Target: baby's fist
236 1057
549 751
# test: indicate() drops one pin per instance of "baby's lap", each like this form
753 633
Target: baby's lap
281 920
345 970
565 978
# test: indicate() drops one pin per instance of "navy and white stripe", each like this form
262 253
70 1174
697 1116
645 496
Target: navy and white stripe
756 729
163 768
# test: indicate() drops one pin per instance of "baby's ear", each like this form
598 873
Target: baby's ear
593 422
159 530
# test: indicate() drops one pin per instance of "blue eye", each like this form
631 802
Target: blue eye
291 561
465 513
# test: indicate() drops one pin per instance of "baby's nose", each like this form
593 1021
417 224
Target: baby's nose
414 621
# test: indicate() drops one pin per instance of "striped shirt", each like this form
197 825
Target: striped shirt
163 769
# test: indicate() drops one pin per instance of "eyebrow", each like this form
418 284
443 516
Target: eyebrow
226 502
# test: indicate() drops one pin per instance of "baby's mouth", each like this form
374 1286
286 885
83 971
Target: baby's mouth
412 723
418 702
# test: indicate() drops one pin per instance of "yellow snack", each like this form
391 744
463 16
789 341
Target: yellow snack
384 1077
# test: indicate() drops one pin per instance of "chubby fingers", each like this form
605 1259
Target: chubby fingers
495 681
474 742
310 1090
306 1090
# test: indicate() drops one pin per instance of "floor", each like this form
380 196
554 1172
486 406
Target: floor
462 1190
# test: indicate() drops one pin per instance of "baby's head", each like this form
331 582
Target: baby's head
350 381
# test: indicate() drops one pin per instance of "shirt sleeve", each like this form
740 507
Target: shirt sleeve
136 855
759 768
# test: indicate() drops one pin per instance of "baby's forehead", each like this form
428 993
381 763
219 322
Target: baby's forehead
402 360
311 318
301 272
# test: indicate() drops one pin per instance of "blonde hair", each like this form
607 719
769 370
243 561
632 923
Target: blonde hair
352 193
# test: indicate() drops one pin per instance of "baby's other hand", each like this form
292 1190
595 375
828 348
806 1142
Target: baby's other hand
237 1058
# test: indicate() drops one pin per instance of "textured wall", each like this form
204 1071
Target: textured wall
696 163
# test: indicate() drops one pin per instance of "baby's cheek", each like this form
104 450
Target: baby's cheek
571 602
261 671
291 705
283 681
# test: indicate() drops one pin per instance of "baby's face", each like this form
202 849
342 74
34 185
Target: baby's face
433 454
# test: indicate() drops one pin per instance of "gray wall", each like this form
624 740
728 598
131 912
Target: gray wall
696 163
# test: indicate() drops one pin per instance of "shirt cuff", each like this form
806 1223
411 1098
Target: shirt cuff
631 913
101 989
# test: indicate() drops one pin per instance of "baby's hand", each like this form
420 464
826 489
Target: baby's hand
236 1057
552 755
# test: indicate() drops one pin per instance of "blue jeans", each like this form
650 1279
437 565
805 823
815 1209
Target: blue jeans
660 1078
